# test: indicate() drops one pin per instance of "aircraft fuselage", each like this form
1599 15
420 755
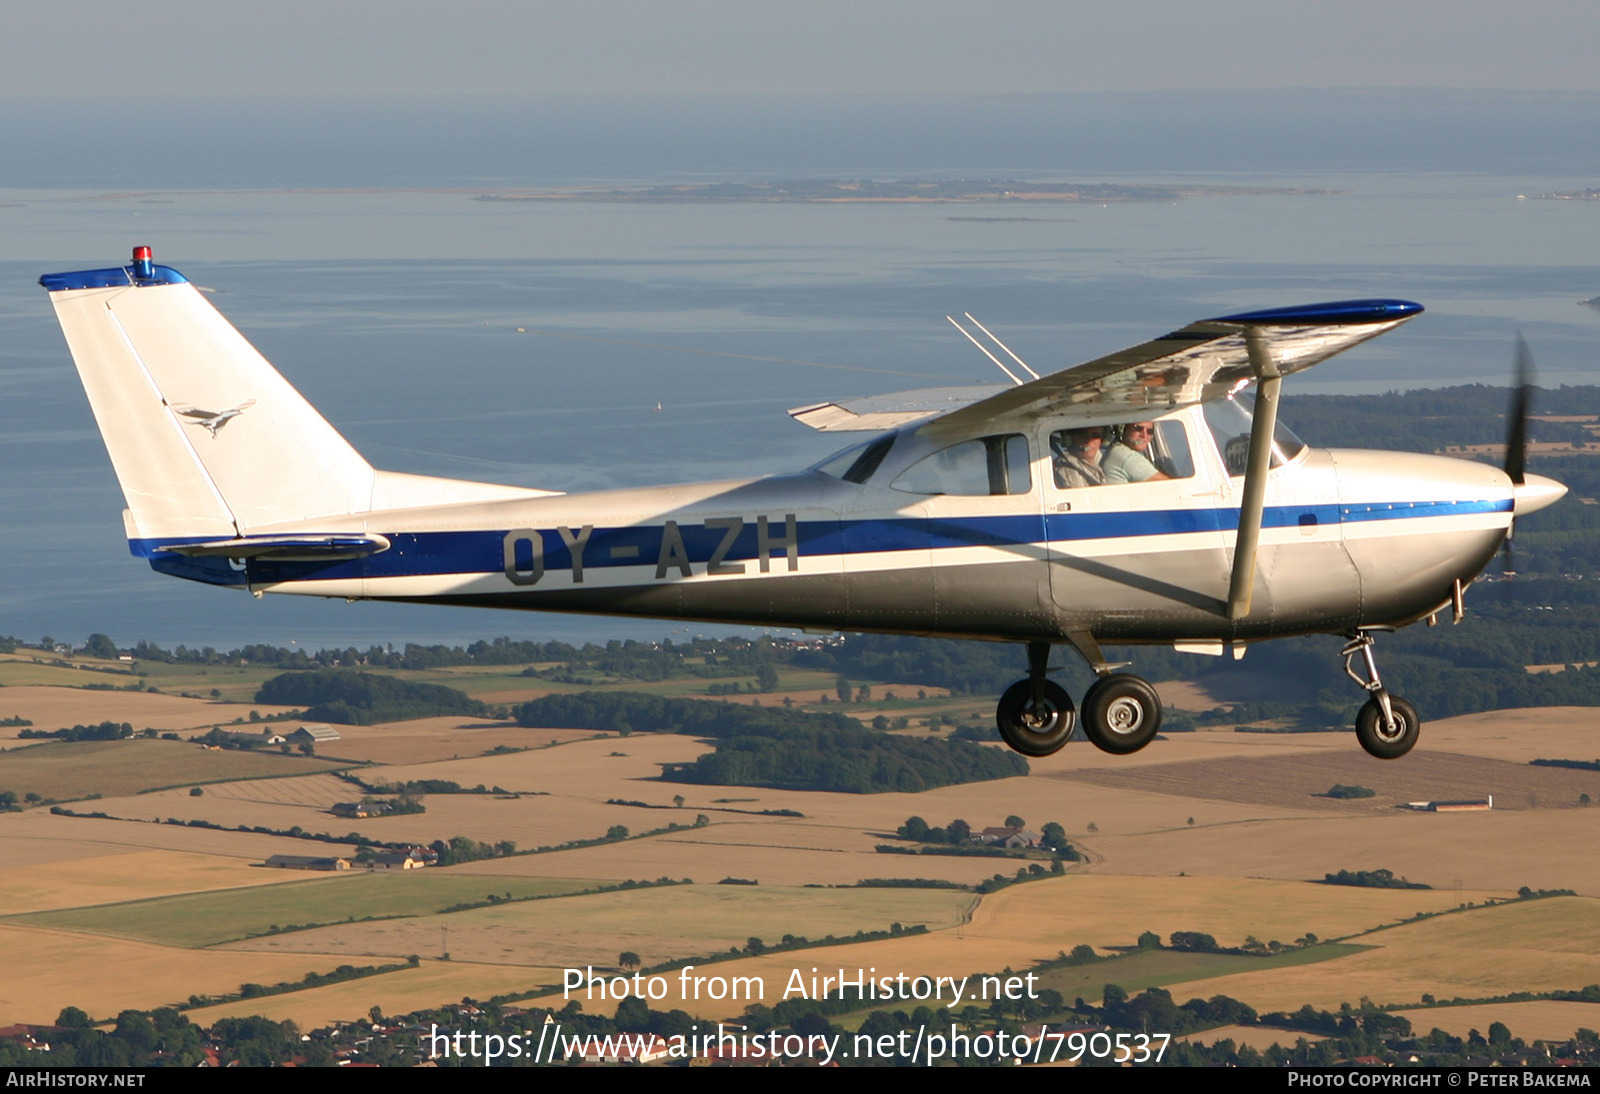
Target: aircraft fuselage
1350 539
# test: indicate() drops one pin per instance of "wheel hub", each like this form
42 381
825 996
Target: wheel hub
1125 715
1041 717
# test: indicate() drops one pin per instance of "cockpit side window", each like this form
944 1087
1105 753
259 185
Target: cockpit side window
1230 420
1112 455
857 463
987 466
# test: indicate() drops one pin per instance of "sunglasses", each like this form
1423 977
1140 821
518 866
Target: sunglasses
1140 429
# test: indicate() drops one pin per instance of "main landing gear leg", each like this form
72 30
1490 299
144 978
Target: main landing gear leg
1121 712
1035 715
1387 726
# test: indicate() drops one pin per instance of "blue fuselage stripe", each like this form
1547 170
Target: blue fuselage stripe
415 554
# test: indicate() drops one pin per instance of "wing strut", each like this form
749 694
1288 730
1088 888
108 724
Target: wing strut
1268 380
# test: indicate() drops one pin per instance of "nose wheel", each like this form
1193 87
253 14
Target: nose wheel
1386 726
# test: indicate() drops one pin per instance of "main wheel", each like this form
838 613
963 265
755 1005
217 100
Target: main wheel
1384 741
1121 713
1035 729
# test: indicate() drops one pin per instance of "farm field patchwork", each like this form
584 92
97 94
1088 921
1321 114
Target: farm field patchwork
1298 781
129 875
659 924
50 708
433 982
47 970
1236 808
204 919
1539 945
1546 1019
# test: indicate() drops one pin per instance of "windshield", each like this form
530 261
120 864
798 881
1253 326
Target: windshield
1230 421
857 463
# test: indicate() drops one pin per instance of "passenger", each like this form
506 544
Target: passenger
1129 460
1076 456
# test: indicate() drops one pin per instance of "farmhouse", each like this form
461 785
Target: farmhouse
1009 837
360 809
398 860
1475 805
314 733
307 862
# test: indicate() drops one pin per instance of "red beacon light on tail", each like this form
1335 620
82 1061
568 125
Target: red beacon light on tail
144 268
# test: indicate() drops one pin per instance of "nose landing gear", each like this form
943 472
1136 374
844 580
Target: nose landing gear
1121 712
1387 726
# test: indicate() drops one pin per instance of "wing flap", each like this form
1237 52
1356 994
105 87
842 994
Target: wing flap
876 413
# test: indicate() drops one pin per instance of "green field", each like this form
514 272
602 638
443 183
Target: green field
63 771
204 919
1161 968
16 672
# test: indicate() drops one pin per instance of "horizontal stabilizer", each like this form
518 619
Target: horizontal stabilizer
285 548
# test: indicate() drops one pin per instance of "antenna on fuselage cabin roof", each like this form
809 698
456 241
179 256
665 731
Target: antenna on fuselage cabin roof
1003 346
1015 379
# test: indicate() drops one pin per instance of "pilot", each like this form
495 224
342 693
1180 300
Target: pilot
1130 459
1076 456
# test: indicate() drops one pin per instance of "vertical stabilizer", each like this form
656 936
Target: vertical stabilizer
206 437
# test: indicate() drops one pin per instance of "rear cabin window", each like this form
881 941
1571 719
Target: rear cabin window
987 466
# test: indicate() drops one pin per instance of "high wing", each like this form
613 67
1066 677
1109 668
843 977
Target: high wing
1201 362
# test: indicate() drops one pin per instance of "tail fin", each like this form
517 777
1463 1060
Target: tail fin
207 439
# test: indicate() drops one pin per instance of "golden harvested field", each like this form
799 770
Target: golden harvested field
704 852
658 924
1480 850
429 739
110 878
1018 926
48 970
1297 781
584 768
57 708
1544 1019
1254 1036
532 821
430 985
37 836
65 770
1548 733
1540 945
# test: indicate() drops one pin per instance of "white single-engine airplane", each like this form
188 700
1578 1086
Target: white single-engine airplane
1139 499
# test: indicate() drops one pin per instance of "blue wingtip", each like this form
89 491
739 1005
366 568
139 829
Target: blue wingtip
114 277
1336 312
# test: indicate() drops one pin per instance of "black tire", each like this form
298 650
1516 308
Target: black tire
1378 739
1031 731
1121 714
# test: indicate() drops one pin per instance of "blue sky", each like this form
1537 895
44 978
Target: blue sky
633 47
